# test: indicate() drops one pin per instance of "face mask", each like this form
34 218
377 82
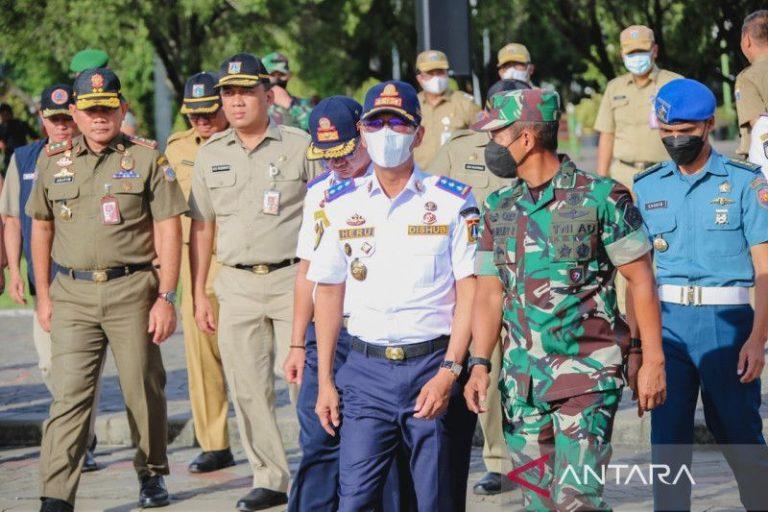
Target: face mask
683 149
387 148
279 82
516 74
436 84
638 63
500 161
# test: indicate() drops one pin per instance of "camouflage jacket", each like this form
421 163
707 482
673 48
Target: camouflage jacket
297 115
557 259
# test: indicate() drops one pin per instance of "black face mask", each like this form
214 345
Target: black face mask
683 149
500 161
280 83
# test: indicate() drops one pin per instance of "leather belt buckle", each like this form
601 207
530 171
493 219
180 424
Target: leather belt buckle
99 276
260 269
394 353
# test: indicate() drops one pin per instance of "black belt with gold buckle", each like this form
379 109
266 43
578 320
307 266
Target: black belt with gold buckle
400 352
103 275
266 268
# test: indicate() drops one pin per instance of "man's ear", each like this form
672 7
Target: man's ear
419 137
72 110
531 69
655 52
270 95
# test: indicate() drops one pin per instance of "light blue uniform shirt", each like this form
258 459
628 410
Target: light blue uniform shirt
708 221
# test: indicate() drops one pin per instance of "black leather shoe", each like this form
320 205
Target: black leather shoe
153 492
212 461
260 498
55 505
90 462
492 483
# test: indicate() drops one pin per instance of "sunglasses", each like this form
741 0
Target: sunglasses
396 124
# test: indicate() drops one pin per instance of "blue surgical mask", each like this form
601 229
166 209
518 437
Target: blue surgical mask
638 63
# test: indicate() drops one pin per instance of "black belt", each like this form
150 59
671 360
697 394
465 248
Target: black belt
266 268
107 274
400 352
638 165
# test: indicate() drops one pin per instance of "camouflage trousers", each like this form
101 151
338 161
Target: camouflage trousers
559 448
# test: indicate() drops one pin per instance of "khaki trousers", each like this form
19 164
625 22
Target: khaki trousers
255 317
207 387
495 453
42 341
85 316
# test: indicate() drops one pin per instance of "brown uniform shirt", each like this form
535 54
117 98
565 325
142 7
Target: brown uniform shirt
71 184
181 151
463 158
456 110
231 184
626 111
751 98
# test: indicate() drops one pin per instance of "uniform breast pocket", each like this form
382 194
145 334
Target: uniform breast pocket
431 259
131 203
662 227
724 233
621 111
64 200
223 192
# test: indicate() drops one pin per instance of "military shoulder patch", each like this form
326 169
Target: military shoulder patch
652 169
58 147
744 164
141 141
317 179
454 187
339 189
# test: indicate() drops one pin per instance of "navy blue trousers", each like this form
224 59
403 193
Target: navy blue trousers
701 347
378 397
315 485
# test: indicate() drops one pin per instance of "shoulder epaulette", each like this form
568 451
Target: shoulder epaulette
339 189
744 164
178 135
141 141
294 131
454 187
317 179
464 132
648 171
58 147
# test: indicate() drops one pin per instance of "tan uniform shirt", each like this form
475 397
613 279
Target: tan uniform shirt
463 158
69 190
456 110
627 112
231 185
181 151
751 98
9 197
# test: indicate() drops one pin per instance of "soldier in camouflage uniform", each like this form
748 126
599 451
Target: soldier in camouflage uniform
549 247
286 109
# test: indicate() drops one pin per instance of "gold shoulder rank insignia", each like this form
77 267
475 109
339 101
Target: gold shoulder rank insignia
141 141
58 147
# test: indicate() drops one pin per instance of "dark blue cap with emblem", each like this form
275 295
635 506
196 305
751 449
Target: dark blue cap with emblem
333 127
394 97
98 87
684 100
55 100
200 96
244 70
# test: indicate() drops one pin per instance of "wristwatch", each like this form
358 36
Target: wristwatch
635 343
454 367
169 297
472 361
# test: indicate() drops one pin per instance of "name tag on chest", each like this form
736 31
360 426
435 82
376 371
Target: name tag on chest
29 176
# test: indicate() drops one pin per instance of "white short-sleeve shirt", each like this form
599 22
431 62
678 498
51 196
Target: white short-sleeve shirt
758 148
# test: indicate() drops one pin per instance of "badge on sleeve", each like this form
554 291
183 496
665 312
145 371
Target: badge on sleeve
472 230
169 174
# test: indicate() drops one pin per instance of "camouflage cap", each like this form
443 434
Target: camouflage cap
520 105
636 37
431 59
276 62
514 52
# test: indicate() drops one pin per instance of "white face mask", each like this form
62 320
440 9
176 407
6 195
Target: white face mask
511 73
436 84
387 148
638 63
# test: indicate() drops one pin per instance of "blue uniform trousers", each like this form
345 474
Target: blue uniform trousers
701 346
315 485
378 397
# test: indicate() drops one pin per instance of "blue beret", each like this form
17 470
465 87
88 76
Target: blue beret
684 100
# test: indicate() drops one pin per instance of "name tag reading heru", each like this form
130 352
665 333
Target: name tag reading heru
346 234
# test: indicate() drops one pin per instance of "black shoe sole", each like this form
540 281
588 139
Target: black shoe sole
273 503
154 504
226 465
482 491
90 469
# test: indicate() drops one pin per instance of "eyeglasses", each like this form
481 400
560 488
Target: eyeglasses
397 124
